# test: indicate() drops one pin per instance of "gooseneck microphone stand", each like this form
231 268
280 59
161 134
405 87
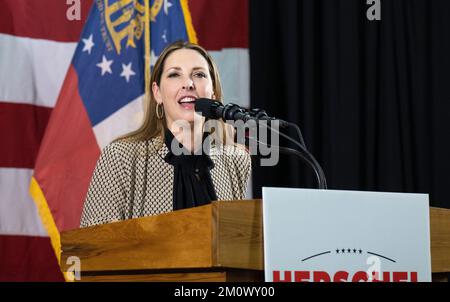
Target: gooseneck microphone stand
302 152
232 112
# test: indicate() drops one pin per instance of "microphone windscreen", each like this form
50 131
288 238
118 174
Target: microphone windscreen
206 107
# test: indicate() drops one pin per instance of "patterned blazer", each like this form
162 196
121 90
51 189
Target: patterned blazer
132 180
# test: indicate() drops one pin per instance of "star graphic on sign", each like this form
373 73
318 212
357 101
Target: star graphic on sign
88 44
164 36
105 65
127 72
167 5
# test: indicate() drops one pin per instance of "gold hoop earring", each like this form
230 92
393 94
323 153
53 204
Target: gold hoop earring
159 111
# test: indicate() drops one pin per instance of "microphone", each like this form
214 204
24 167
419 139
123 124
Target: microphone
216 110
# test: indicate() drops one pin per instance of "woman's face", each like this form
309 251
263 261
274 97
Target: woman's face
185 77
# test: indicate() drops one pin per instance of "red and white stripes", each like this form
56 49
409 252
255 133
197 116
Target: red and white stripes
36 46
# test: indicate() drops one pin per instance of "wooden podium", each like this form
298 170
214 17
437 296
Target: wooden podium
222 241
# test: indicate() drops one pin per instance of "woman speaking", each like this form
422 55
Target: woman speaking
144 173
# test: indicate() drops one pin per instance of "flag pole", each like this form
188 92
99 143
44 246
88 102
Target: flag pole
147 52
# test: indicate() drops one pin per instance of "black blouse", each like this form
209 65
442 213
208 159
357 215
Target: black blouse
192 183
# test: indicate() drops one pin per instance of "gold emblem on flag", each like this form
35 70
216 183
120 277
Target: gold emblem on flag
125 19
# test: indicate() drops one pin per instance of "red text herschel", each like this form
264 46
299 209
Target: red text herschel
342 276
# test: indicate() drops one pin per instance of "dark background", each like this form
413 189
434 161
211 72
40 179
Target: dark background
371 97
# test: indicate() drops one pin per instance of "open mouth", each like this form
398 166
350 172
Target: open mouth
187 102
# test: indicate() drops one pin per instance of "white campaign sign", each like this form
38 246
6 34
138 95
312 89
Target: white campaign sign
331 235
